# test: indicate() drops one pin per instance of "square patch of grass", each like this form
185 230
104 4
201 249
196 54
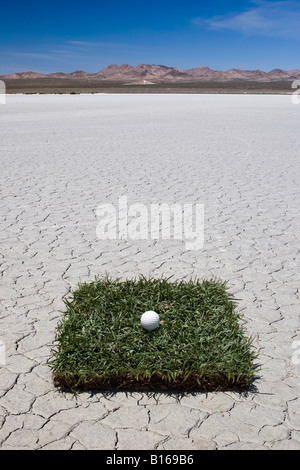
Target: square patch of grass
200 342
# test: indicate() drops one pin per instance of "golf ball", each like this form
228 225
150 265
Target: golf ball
150 320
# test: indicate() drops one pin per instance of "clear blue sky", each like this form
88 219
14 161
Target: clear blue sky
51 36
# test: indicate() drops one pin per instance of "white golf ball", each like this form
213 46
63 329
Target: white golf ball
150 320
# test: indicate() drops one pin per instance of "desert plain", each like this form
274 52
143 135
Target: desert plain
62 156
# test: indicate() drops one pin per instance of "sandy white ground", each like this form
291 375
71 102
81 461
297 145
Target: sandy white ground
62 156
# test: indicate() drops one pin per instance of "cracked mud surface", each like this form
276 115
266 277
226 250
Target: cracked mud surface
62 156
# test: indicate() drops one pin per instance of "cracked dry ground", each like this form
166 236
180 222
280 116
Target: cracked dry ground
62 156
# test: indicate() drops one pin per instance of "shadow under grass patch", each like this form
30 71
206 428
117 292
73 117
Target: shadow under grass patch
199 344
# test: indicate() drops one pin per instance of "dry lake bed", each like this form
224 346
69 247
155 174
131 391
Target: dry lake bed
64 155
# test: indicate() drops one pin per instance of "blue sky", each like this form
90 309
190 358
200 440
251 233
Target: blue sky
65 36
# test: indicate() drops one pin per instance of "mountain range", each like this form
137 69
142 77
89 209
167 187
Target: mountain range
150 73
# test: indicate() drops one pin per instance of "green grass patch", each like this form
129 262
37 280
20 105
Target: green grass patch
199 344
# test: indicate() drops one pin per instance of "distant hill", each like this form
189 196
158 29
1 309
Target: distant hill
160 73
